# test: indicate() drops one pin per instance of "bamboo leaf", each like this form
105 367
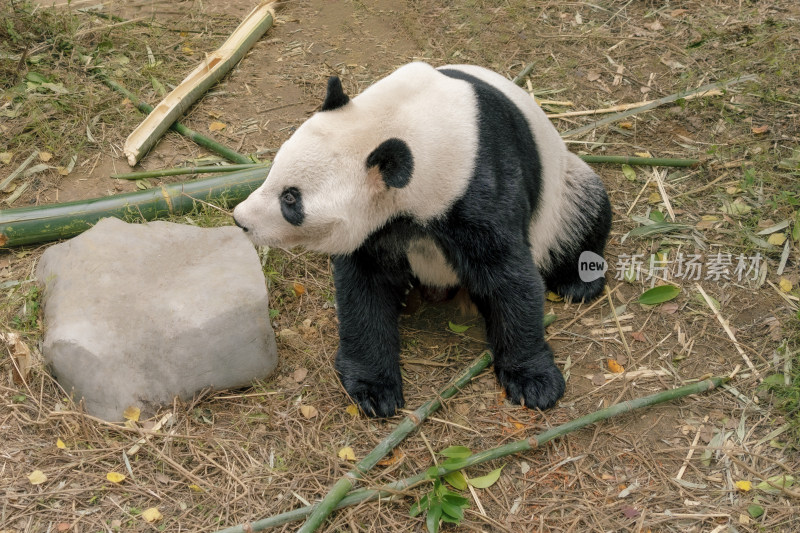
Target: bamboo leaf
484 482
432 520
660 294
784 480
456 452
457 328
628 172
456 479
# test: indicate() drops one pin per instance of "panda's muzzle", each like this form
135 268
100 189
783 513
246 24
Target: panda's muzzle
245 228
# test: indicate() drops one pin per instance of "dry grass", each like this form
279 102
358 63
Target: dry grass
233 456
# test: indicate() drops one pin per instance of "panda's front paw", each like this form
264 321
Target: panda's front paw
534 385
377 391
377 399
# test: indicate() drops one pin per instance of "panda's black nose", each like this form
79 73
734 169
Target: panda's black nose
237 223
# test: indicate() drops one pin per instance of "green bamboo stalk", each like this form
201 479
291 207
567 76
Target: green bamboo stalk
184 170
661 101
202 140
364 495
409 424
30 225
521 76
648 161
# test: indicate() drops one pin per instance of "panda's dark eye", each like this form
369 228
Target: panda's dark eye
288 198
292 206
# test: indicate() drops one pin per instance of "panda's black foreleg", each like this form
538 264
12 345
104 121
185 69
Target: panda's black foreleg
509 292
368 296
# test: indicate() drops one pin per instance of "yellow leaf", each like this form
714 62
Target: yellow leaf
347 454
553 297
299 289
5 157
217 126
37 477
132 413
626 125
777 239
308 411
63 171
187 50
654 198
785 285
60 444
615 367
744 485
152 515
115 477
643 154
389 461
710 218
45 156
195 488
352 409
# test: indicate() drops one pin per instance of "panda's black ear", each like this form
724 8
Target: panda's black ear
394 161
335 97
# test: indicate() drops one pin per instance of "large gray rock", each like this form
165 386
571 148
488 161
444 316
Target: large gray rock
136 314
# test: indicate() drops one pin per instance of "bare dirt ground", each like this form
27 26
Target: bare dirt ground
235 456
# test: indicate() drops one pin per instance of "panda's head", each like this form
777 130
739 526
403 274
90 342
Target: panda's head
332 183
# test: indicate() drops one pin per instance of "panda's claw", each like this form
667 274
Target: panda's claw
376 399
535 387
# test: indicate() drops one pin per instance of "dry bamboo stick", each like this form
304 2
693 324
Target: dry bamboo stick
211 70
625 107
727 329
693 93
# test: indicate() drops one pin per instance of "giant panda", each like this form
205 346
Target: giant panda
449 176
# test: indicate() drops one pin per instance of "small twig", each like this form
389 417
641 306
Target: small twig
620 107
704 187
664 196
691 449
619 327
11 177
727 329
635 200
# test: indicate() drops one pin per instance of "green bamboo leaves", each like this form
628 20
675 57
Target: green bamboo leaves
659 295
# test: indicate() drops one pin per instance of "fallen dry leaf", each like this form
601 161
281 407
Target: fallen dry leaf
5 157
598 379
60 445
152 515
777 239
300 374
654 198
759 130
299 289
615 367
744 486
37 477
668 308
352 409
308 411
132 413
638 336
115 477
626 125
63 526
347 454
785 285
396 456
195 488
45 156
217 126
593 75
654 26
21 357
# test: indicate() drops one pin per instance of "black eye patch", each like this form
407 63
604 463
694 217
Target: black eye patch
292 206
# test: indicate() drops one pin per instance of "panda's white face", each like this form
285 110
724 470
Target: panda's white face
315 186
403 147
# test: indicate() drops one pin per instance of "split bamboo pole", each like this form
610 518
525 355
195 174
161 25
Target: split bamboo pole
210 71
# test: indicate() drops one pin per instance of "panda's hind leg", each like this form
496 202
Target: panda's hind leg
576 266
